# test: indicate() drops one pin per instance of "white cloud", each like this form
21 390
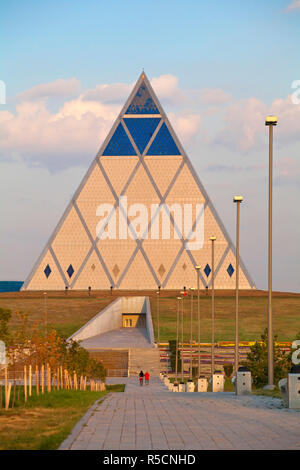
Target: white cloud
212 96
166 88
293 6
73 134
243 124
186 124
60 140
109 93
58 88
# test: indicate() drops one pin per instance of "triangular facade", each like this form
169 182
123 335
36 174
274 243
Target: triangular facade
141 168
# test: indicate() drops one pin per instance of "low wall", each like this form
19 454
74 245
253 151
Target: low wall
134 304
110 318
149 324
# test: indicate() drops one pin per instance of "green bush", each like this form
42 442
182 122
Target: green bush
5 316
172 347
228 369
257 362
77 359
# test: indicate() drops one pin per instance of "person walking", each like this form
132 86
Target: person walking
147 377
141 378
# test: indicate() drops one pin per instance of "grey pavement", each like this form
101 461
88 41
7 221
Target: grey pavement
119 338
151 417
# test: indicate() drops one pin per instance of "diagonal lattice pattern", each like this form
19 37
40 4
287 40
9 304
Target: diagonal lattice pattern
142 161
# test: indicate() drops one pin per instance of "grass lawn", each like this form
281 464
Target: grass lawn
67 313
252 317
45 421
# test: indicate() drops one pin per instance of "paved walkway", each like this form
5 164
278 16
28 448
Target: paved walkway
151 417
119 338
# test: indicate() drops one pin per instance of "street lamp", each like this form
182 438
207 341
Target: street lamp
158 336
213 239
191 338
237 200
198 315
270 121
183 293
177 337
45 308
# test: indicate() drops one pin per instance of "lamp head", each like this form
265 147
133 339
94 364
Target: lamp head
212 239
197 267
192 288
178 298
271 120
238 199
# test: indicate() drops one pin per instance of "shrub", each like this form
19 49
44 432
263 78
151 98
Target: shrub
257 362
5 316
172 347
228 369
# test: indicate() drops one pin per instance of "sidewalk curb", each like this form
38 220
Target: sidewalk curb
67 443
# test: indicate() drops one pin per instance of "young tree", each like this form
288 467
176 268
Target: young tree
257 361
5 316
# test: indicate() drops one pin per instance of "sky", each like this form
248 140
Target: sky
218 69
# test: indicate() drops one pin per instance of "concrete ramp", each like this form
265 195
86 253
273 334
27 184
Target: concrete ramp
110 320
122 350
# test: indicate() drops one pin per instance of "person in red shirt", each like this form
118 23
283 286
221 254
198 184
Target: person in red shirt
147 376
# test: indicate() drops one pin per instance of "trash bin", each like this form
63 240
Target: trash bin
181 387
202 384
175 387
243 381
293 387
166 380
217 382
190 386
170 386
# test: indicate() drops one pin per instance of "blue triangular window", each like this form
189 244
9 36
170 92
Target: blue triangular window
163 143
142 103
141 130
119 144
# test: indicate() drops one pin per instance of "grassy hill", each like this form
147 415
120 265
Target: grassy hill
69 312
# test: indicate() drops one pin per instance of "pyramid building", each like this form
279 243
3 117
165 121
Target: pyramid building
131 222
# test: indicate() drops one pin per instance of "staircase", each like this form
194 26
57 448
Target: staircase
145 359
115 362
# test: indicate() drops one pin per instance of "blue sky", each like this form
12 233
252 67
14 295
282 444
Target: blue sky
225 44
217 68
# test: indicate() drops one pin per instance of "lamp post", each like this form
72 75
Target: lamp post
213 239
45 308
270 121
177 337
198 316
191 338
158 335
183 293
237 200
